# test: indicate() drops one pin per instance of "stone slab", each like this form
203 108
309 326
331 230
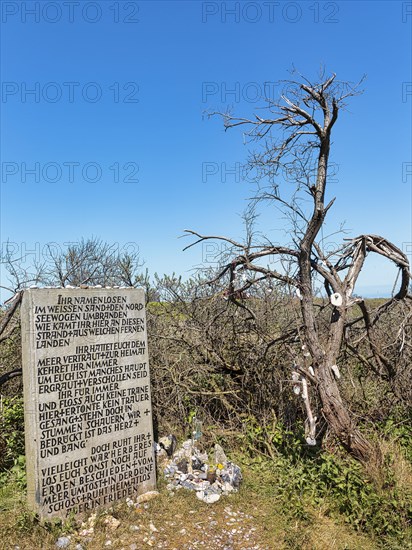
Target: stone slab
88 417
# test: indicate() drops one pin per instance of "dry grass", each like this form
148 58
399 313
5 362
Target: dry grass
401 468
252 518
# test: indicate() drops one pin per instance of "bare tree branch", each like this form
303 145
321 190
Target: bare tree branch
305 117
6 318
9 375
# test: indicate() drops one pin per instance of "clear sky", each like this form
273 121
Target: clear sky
103 133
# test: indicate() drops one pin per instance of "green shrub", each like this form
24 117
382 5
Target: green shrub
401 432
12 430
307 477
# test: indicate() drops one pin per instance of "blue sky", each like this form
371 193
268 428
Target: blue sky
120 89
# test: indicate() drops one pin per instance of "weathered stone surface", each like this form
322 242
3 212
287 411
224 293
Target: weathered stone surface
89 438
220 457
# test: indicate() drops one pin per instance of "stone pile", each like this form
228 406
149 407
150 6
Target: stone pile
191 469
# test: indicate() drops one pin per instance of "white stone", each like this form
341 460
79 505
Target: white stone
209 498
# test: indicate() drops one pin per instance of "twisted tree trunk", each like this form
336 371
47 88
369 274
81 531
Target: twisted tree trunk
306 117
339 419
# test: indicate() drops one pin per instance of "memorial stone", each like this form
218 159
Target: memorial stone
88 419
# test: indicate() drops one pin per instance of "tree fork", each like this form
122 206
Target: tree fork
305 119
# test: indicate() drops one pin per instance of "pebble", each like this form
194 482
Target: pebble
209 498
112 522
86 532
147 496
63 542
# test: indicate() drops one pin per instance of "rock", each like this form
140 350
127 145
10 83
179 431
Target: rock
232 474
87 532
187 448
227 487
202 486
170 470
209 498
196 463
146 497
182 466
187 445
169 444
91 521
153 528
112 522
63 542
220 457
203 457
187 484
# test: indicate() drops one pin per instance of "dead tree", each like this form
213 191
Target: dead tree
306 115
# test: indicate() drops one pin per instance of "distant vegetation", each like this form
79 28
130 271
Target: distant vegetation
209 358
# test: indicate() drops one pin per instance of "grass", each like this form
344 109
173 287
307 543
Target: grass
255 517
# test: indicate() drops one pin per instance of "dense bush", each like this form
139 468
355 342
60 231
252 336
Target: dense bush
11 431
231 366
209 355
